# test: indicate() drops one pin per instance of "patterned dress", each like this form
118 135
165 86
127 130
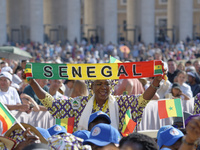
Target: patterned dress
197 104
73 107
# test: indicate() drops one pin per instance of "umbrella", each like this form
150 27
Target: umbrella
124 49
11 52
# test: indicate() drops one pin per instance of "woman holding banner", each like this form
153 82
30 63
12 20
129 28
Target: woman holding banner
81 107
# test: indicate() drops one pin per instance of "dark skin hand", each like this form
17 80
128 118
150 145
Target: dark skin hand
30 138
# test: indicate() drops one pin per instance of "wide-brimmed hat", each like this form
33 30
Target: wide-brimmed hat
8 143
16 133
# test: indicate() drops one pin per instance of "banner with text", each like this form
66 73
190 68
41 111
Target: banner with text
94 71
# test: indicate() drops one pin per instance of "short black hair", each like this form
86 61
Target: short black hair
171 60
188 62
66 81
146 142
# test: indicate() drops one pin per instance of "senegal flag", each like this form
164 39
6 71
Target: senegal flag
170 108
158 67
129 124
28 70
114 60
6 118
68 123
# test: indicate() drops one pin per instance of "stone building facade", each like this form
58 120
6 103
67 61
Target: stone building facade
103 20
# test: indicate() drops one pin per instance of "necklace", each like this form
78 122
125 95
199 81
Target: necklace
96 107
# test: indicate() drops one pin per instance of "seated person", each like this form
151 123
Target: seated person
96 118
103 136
184 87
132 86
137 141
177 93
169 137
29 91
83 134
79 89
54 88
9 95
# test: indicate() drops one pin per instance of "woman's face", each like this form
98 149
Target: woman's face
101 89
181 78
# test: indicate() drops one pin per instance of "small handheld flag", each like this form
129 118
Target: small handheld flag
6 118
129 124
114 60
170 108
68 123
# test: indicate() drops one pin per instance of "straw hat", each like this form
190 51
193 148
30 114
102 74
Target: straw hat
15 132
7 142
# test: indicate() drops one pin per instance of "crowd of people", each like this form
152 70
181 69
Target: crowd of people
99 106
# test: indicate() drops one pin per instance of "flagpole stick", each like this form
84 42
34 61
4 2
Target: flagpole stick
182 114
14 117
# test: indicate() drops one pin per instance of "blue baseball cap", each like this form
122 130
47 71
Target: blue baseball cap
83 134
165 148
162 129
44 132
56 129
169 136
103 134
98 114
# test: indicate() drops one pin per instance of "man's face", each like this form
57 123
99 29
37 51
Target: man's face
23 64
197 66
190 79
4 84
42 82
171 66
101 89
70 84
56 84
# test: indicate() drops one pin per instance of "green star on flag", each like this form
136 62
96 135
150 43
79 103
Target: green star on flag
170 108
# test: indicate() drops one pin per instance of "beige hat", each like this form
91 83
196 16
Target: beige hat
7 142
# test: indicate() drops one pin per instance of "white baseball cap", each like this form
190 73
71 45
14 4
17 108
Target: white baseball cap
6 75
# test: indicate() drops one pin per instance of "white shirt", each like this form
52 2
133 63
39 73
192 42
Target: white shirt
59 95
11 97
186 89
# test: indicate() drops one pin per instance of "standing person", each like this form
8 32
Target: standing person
82 107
